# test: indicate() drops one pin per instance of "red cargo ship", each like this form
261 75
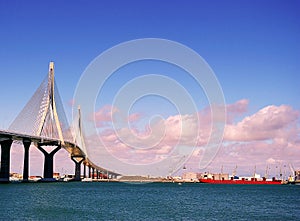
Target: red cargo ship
241 181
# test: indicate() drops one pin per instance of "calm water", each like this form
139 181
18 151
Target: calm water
121 201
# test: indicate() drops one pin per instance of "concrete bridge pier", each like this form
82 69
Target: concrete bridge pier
93 173
48 162
89 171
26 144
77 160
5 160
84 170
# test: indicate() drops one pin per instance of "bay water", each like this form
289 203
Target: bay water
152 201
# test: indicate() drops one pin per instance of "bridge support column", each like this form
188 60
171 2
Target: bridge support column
97 172
26 144
84 170
77 160
93 173
89 171
48 162
5 160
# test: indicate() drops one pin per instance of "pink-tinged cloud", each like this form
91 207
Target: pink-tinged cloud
162 136
155 142
268 123
104 115
271 133
237 109
134 117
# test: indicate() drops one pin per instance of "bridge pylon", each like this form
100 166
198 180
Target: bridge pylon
43 115
49 121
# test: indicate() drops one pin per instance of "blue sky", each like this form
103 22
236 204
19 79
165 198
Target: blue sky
252 46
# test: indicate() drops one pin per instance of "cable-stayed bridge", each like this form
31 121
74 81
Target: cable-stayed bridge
43 122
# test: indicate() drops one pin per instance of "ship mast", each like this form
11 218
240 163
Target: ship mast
267 172
234 171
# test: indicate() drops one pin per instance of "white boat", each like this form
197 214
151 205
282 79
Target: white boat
87 180
67 179
14 179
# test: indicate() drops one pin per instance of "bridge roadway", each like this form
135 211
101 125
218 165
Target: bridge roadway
77 155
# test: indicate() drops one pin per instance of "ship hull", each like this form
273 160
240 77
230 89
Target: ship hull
264 182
